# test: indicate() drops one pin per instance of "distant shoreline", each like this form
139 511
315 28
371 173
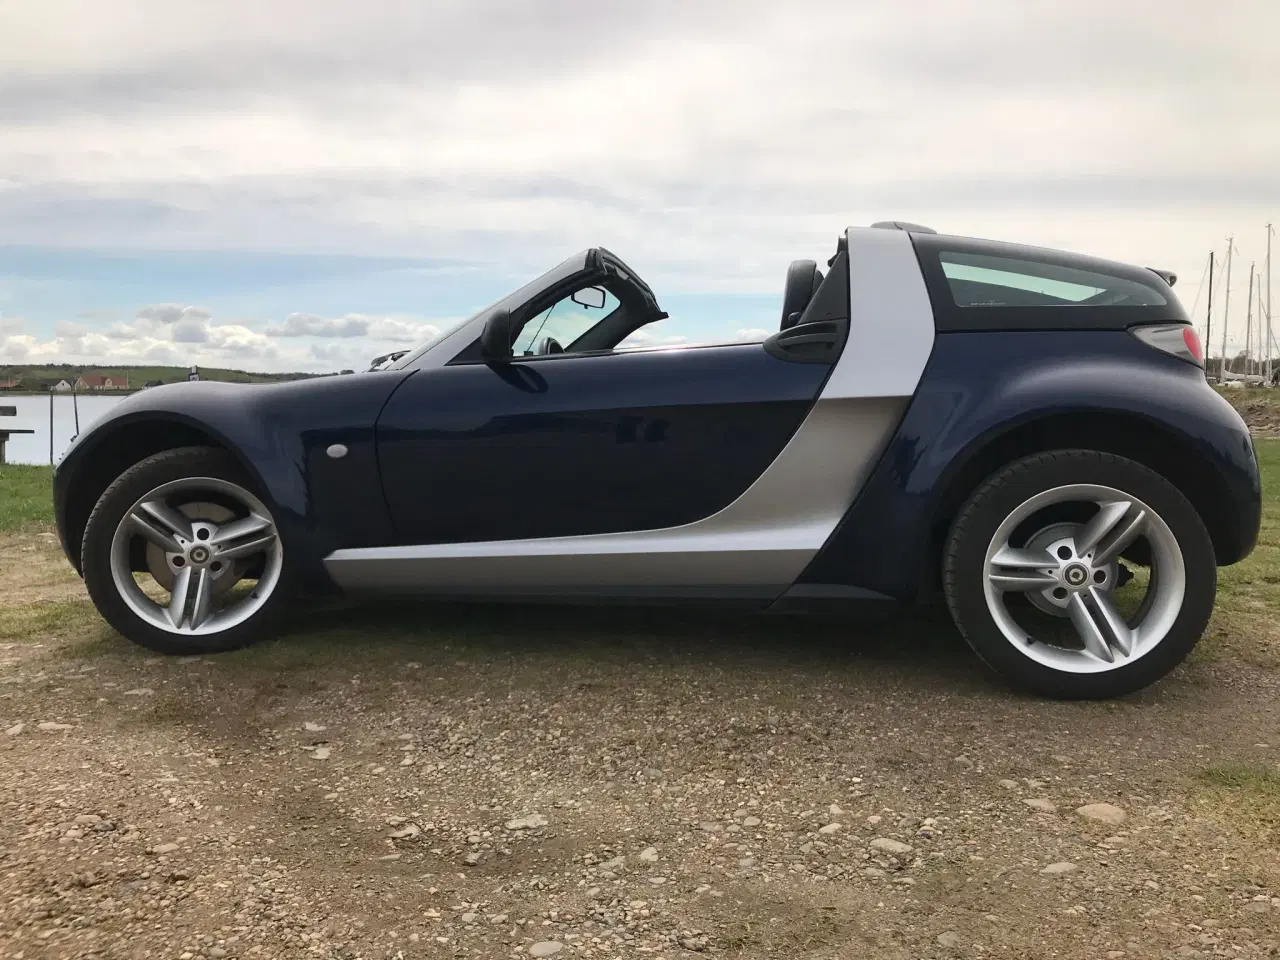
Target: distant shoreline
69 393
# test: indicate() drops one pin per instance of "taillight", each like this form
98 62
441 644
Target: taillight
1177 339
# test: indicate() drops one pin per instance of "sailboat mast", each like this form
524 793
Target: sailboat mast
1270 231
1226 313
1248 326
1208 314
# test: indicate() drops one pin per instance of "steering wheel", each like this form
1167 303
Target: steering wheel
549 345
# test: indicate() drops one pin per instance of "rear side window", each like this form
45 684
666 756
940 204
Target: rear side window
983 280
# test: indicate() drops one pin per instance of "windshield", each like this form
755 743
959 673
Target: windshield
511 301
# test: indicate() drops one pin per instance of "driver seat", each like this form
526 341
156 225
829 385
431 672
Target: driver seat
803 280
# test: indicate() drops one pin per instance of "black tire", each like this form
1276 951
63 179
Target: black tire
116 500
964 558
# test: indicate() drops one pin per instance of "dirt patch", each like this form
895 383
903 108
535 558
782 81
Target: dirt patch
33 570
1260 408
696 785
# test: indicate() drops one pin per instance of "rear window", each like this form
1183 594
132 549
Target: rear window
982 280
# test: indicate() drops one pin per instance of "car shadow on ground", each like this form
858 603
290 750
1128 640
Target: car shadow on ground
912 647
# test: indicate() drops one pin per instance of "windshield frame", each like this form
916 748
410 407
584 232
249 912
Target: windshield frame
425 353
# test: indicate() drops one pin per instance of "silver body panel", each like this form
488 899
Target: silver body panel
762 541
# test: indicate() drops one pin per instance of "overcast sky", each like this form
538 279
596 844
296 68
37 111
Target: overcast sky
301 184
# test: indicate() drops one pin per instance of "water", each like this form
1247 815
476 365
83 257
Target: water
33 414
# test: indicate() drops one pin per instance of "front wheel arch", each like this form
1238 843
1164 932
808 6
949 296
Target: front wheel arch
118 448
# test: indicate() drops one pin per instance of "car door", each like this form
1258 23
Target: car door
571 444
567 439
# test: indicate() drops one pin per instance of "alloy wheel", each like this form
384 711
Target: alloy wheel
1071 571
202 537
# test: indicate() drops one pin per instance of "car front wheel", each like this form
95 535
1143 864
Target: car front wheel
1079 574
180 556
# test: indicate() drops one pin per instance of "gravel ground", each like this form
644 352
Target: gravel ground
541 782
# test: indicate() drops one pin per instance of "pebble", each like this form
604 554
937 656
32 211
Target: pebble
164 848
50 727
313 727
894 847
547 948
407 832
16 729
471 859
950 940
1057 869
1103 812
1044 806
468 918
751 822
614 865
530 822
1008 784
831 828
709 827
649 854
320 753
139 692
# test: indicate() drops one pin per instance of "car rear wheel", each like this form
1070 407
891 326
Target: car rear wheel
1079 574
180 555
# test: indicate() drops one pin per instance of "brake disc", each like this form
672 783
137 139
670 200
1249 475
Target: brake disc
158 564
1045 540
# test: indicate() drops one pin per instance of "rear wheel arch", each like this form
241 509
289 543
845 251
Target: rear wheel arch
1132 436
119 448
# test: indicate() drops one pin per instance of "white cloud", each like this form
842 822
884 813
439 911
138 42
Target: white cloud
752 334
432 130
393 329
310 325
16 348
190 331
66 328
165 354
401 331
172 313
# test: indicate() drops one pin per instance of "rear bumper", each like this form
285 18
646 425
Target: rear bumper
1249 500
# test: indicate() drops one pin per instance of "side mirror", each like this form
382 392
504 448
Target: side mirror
589 297
495 341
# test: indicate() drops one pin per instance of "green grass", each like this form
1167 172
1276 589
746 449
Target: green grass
1246 796
26 498
1247 615
1255 777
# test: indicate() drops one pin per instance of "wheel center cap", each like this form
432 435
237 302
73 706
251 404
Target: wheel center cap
1076 574
199 554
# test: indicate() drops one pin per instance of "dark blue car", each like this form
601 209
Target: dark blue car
1025 432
